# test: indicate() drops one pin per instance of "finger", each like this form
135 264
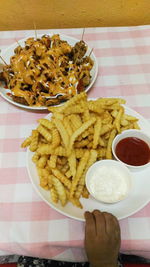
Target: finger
112 224
90 227
117 228
100 222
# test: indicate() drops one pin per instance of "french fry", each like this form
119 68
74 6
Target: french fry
76 121
62 178
46 149
86 114
105 129
101 153
63 133
92 159
50 181
97 130
79 152
44 132
80 169
67 126
72 163
108 150
54 195
75 201
95 108
136 126
69 174
56 140
74 110
65 168
81 143
118 119
41 163
77 98
79 131
46 123
60 190
102 142
62 160
35 157
52 161
85 193
26 142
34 141
130 118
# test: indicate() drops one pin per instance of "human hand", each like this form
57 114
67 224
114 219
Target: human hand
102 239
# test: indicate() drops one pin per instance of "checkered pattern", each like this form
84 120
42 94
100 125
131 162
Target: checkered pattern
28 226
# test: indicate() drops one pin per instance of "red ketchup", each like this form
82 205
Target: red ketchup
9 94
133 151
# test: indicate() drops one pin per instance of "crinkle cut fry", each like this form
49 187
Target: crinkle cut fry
79 131
60 190
72 163
62 178
92 159
56 140
67 125
47 123
41 163
35 157
118 118
63 133
46 149
95 107
34 141
54 195
69 103
79 152
44 132
74 110
109 101
80 169
75 201
75 121
82 143
108 150
97 130
52 161
26 142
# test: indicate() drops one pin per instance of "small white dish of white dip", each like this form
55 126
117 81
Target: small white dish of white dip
108 181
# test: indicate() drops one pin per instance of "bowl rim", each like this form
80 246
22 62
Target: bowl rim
123 134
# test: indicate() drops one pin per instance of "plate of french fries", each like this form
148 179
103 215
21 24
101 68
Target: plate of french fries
46 70
68 141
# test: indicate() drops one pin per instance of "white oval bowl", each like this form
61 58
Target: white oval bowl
109 164
130 133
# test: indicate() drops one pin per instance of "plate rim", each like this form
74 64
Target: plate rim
41 108
28 156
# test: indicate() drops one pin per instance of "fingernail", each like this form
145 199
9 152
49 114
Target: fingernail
97 211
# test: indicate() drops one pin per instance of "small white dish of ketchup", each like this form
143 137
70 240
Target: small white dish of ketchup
132 147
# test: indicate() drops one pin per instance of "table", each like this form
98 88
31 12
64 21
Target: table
28 226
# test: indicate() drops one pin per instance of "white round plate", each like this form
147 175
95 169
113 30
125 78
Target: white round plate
10 52
137 199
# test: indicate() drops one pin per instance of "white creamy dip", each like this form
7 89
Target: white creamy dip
108 183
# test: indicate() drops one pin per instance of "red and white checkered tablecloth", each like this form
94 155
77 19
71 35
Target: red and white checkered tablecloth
28 226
